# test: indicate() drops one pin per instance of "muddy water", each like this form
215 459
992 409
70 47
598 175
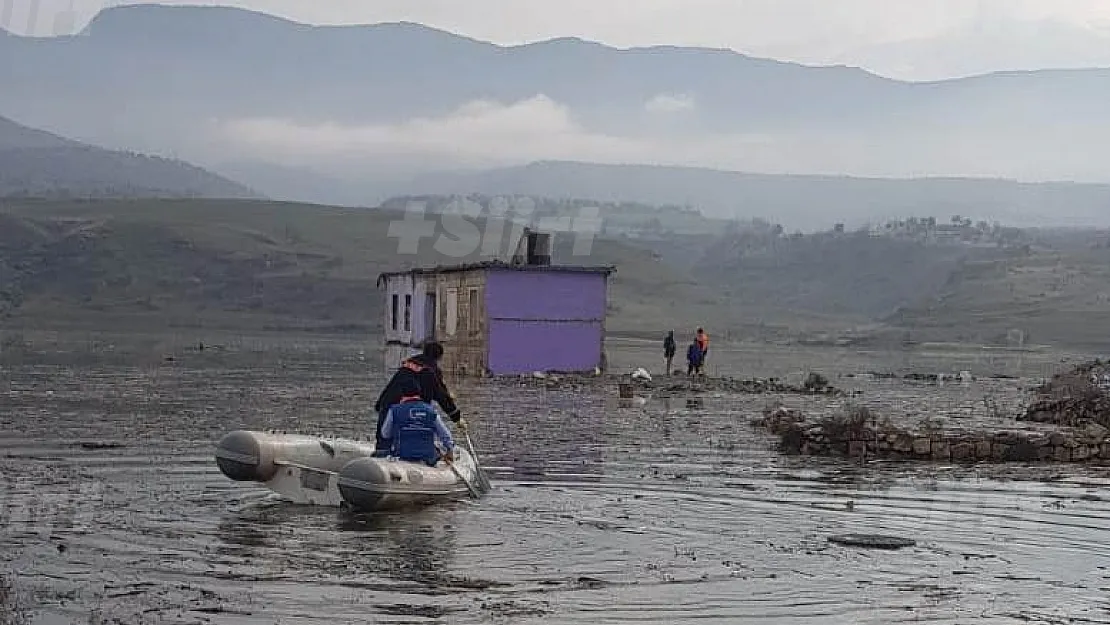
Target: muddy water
601 513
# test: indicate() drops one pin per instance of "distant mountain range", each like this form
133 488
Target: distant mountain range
35 163
986 47
355 113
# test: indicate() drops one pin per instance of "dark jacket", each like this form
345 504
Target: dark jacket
669 347
425 373
694 355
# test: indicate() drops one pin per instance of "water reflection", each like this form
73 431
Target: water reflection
249 531
539 433
646 513
410 547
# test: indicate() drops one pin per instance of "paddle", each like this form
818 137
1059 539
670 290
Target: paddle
470 487
474 454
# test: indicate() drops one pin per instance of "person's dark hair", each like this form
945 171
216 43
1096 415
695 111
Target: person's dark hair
409 387
433 350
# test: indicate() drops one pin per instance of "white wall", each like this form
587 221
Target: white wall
400 286
394 355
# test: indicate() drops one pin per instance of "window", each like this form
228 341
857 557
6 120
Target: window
393 314
451 314
408 313
472 317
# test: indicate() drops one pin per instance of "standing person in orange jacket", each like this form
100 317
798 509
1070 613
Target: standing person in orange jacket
703 341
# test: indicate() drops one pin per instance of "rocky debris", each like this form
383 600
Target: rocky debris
859 433
1079 397
778 419
787 424
928 378
755 386
815 381
567 381
664 387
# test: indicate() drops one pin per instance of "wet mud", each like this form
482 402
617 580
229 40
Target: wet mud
602 512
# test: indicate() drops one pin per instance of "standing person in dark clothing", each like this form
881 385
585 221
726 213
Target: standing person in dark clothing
423 371
669 349
695 358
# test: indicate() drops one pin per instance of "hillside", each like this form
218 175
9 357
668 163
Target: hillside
35 163
158 265
852 276
1056 292
221 85
234 264
14 136
616 218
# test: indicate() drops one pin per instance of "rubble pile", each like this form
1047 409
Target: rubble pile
1079 397
859 433
928 378
678 386
815 384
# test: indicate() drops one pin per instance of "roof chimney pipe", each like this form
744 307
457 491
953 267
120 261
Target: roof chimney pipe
539 249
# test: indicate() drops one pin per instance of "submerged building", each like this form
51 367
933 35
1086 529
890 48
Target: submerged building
501 318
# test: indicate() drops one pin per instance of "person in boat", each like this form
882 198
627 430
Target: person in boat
669 349
422 371
695 358
415 430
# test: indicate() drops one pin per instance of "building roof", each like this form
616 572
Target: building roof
497 264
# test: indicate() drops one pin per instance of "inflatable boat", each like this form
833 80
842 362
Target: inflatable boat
323 471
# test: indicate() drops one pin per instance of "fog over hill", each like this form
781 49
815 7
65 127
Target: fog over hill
798 202
35 163
372 106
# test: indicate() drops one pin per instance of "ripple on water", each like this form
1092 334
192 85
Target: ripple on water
601 514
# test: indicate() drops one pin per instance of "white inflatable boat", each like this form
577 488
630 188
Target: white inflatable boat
326 471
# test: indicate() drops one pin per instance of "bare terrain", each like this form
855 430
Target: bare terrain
252 265
179 264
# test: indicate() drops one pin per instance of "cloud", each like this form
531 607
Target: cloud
486 134
670 103
480 133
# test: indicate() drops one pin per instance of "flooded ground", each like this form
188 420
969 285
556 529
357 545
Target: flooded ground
114 511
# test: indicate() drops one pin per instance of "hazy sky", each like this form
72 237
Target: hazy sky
804 28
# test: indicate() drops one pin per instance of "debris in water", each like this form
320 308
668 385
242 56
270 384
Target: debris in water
94 445
872 541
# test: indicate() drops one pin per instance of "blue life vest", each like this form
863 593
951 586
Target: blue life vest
414 432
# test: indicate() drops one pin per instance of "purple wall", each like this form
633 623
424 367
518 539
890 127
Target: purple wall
526 346
544 321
